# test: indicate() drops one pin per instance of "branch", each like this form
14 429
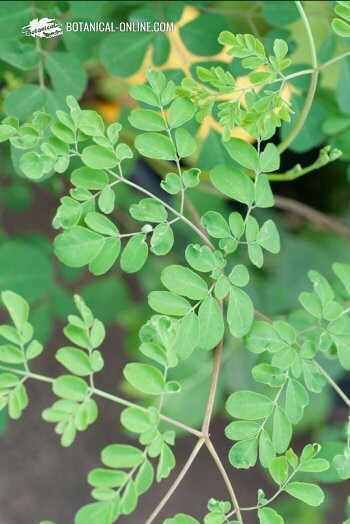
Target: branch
315 216
334 385
213 387
313 84
227 481
176 482
103 394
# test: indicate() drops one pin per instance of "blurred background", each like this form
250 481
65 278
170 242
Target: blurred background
40 480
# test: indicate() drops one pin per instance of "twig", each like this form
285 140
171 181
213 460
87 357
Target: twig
313 215
176 482
313 84
104 394
213 387
334 385
225 477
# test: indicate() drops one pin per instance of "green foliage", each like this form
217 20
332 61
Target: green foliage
206 303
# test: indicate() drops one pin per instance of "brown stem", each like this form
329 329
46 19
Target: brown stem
176 482
315 216
225 477
213 387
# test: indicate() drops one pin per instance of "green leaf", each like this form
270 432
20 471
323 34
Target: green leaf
181 518
22 102
98 157
191 177
185 143
244 454
180 111
168 304
279 470
17 307
279 14
155 145
183 281
96 513
309 493
75 360
100 224
135 420
106 257
70 388
144 478
244 153
78 246
340 27
242 430
215 224
266 449
132 47
106 478
211 323
134 254
297 398
200 35
269 516
106 200
343 273
187 335
268 237
248 405
66 73
201 258
162 239
270 159
239 275
240 312
149 210
172 184
282 430
32 165
144 94
263 194
145 378
147 120
121 456
233 183
91 123
11 354
311 303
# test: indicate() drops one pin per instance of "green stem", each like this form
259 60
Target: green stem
104 394
313 84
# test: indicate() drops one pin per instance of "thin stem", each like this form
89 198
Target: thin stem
333 60
176 482
167 206
104 394
213 387
225 477
313 84
313 215
334 385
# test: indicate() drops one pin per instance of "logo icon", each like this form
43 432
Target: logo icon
43 28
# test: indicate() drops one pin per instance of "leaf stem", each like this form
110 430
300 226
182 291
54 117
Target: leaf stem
104 394
177 481
334 385
313 84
